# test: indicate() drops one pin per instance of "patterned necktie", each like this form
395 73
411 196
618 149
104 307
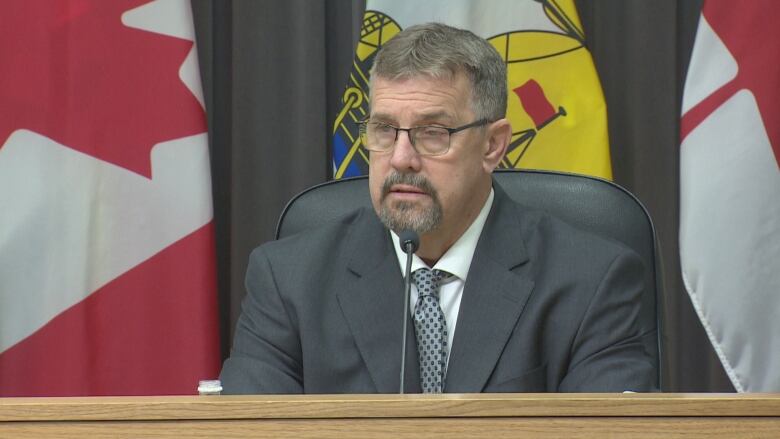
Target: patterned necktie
431 330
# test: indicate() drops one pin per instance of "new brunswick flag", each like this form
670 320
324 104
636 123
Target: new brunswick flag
556 106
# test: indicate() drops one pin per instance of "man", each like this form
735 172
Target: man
506 299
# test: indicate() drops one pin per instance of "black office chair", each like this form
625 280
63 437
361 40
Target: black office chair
589 203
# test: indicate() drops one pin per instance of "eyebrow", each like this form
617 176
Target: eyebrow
435 117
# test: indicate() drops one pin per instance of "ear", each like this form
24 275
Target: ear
499 135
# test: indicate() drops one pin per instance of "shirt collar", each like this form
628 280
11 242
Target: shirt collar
457 259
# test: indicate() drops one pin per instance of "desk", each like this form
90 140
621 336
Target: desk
395 416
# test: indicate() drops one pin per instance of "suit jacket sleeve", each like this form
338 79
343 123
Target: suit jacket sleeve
266 353
609 353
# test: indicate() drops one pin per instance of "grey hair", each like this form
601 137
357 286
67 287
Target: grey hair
440 51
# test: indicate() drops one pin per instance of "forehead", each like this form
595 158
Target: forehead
420 97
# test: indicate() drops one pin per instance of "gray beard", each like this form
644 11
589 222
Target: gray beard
406 216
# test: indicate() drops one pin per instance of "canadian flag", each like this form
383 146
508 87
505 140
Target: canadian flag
730 187
107 276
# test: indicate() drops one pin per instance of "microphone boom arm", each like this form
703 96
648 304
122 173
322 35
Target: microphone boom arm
409 243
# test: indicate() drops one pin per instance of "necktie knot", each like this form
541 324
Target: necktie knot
428 281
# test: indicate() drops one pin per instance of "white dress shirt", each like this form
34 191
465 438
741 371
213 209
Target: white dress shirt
456 260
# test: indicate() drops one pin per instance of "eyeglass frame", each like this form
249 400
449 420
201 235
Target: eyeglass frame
363 124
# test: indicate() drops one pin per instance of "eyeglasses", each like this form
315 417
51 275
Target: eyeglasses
426 140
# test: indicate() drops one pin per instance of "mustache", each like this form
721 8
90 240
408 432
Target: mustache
415 180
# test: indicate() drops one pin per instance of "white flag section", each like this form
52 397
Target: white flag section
730 189
485 19
107 264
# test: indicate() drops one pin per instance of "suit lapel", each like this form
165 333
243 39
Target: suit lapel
372 302
493 299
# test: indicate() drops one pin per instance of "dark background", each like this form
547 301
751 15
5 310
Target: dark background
273 74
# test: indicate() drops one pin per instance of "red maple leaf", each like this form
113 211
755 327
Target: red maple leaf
70 70
750 32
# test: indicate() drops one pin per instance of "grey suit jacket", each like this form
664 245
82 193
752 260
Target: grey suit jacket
545 307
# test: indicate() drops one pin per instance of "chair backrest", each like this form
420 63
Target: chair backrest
592 204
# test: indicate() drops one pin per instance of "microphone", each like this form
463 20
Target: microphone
410 242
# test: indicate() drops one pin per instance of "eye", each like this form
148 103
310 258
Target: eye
431 132
382 129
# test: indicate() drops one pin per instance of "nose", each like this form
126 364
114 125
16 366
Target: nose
404 157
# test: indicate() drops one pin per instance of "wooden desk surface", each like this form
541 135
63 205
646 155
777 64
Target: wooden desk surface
397 416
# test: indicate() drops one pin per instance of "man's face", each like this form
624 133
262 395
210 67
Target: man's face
427 193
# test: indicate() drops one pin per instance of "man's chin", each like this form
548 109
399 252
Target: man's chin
404 211
400 216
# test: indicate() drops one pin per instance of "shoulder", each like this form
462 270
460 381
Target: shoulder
316 246
555 245
583 243
569 236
